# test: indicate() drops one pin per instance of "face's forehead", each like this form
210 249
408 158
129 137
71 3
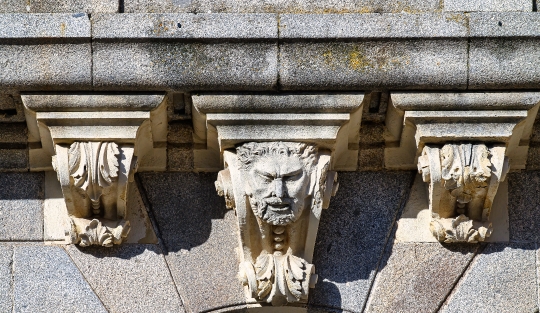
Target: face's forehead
279 164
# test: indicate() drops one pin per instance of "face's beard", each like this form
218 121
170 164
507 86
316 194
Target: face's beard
274 210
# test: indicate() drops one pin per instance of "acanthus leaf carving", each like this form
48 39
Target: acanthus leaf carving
463 180
278 190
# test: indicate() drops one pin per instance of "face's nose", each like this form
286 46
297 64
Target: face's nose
278 187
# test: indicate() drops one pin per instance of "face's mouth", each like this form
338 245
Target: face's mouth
279 205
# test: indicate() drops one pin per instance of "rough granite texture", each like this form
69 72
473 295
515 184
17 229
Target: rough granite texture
46 280
524 206
201 237
180 65
284 6
137 273
507 24
21 206
13 160
47 26
501 279
417 277
503 63
6 300
13 133
487 5
352 236
402 64
353 26
59 6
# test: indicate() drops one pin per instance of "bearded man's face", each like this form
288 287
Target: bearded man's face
279 186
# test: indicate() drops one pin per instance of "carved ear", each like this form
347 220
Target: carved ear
224 188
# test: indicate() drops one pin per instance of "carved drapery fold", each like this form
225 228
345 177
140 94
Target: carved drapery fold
463 181
278 190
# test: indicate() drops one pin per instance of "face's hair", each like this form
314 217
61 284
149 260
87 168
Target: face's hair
250 152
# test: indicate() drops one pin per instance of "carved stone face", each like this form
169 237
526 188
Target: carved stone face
278 187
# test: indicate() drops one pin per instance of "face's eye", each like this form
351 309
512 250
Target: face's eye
266 177
293 176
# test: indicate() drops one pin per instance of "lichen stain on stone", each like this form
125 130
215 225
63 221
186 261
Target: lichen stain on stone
358 60
63 29
458 18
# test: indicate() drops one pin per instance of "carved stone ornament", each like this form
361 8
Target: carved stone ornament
278 190
95 143
463 181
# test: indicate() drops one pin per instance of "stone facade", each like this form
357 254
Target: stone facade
269 156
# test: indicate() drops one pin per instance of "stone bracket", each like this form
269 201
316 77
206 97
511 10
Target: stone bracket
95 143
463 144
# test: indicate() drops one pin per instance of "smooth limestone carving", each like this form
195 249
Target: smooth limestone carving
278 190
96 143
96 185
463 181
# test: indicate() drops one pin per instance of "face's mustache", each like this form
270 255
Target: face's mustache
275 201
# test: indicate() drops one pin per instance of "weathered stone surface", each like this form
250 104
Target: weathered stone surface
59 6
352 236
180 65
40 102
46 66
352 26
508 24
185 26
503 63
417 277
524 206
6 287
179 159
31 26
287 6
180 133
372 64
137 273
13 160
13 133
501 279
195 226
21 206
46 280
487 5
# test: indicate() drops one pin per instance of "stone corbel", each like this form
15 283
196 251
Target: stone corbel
462 144
279 175
95 143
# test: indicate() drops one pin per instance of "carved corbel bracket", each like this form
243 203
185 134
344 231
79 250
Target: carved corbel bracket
279 175
95 144
463 144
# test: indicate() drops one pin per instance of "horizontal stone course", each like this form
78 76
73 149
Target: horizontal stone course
487 5
44 26
59 6
507 24
185 26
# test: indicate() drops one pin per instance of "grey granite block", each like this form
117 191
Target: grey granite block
352 236
180 133
501 279
351 26
21 206
504 63
524 206
137 274
45 66
180 65
403 64
13 133
285 6
58 6
46 280
28 26
507 24
179 158
185 26
201 237
417 277
371 159
6 288
487 5
13 160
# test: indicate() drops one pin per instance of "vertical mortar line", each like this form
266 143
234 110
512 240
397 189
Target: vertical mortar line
12 281
84 277
534 6
121 6
161 242
466 269
388 241
278 65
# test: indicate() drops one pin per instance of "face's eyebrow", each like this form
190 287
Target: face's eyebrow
292 173
263 173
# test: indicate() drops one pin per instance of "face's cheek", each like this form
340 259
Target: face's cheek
297 188
257 185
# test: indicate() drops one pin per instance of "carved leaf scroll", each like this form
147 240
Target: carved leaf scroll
93 166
